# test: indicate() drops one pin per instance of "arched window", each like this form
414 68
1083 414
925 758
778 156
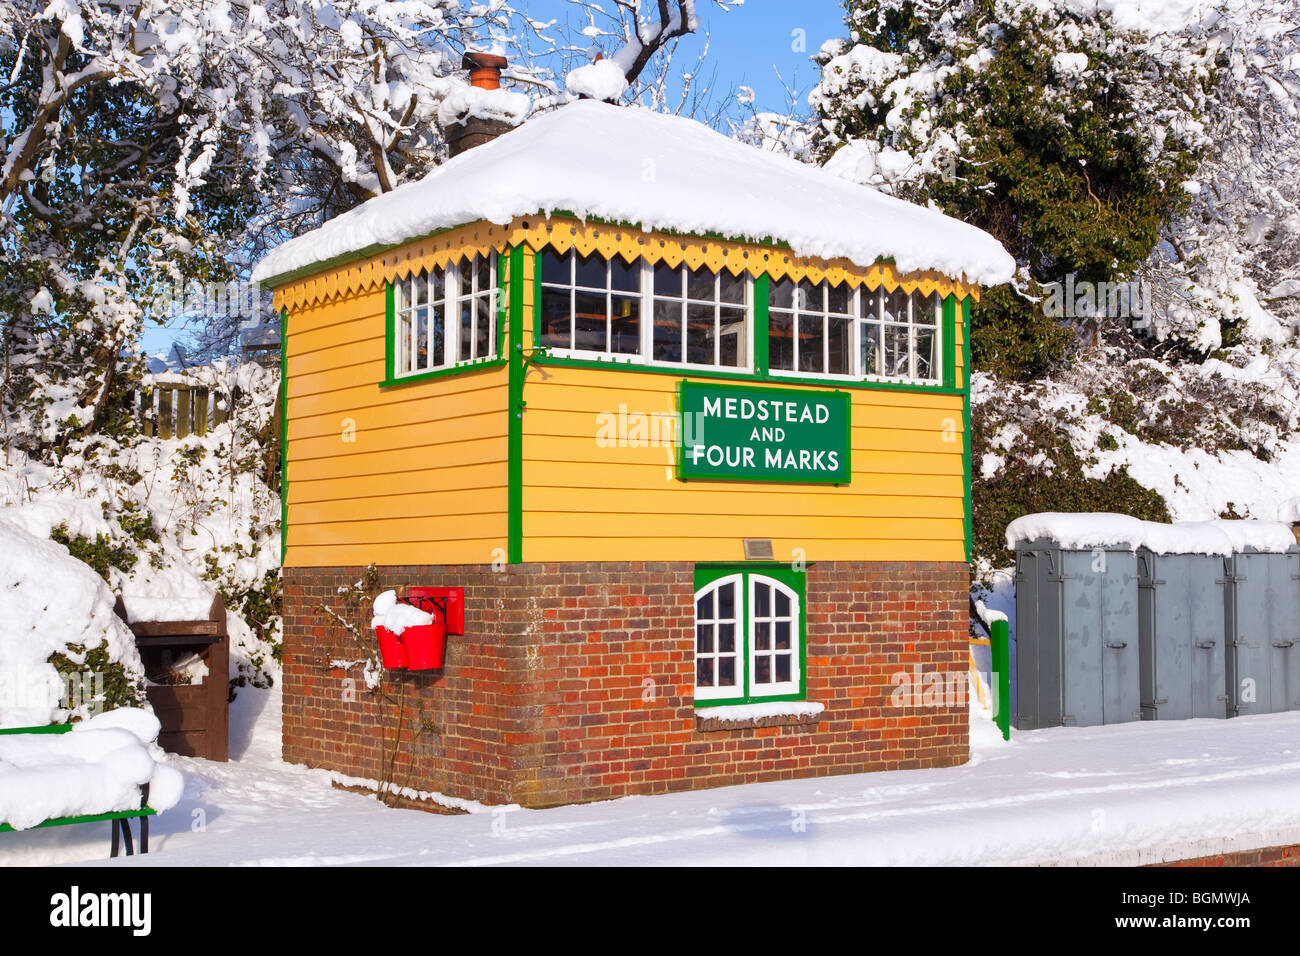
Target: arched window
748 636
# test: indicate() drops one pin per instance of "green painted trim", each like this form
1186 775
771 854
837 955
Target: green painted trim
474 366
43 729
796 581
390 332
537 301
762 293
284 433
949 341
965 389
67 821
1000 645
689 372
515 406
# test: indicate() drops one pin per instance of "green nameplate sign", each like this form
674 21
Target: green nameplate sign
741 433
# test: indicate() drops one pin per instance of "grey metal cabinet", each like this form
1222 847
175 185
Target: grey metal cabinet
1262 628
1076 636
1181 641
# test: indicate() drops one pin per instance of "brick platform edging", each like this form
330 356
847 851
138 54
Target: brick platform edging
1288 855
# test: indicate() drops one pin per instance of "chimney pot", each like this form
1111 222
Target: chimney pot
484 69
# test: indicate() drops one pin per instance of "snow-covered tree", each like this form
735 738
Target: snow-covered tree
1067 136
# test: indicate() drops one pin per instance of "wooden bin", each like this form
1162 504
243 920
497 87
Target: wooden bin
194 717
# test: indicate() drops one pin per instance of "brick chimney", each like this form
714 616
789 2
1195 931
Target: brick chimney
484 74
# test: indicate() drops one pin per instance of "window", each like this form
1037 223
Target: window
591 307
700 317
748 635
466 291
590 304
824 329
899 334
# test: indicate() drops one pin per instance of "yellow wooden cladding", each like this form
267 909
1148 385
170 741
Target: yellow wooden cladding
562 234
417 473
412 474
597 486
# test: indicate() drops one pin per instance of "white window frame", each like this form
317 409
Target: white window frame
406 342
738 689
609 292
773 688
859 322
647 296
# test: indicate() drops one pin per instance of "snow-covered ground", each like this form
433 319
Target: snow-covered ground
1126 794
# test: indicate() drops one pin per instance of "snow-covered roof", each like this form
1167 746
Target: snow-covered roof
1084 530
658 172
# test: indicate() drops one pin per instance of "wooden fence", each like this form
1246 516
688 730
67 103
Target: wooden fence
174 410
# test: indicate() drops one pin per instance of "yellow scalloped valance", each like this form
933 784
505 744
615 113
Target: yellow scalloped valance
563 234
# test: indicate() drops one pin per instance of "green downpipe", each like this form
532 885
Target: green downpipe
1000 645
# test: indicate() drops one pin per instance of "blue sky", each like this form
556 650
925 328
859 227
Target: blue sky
745 44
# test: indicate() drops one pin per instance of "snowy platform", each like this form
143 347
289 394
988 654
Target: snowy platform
1122 795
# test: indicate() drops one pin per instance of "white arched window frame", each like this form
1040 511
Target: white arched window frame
773 632
748 639
719 639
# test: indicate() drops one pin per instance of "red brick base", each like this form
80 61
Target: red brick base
1265 856
576 682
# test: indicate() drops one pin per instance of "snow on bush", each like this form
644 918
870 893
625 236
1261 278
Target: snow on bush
51 603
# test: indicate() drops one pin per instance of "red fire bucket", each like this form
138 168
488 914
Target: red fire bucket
425 644
391 649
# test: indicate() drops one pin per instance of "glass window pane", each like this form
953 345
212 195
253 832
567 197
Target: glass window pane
422 337
840 345
667 331
624 277
926 309
924 352
700 284
762 669
896 346
704 638
763 636
437 335
465 340
667 280
838 297
726 672
589 322
896 306
700 334
704 672
783 635
731 288
780 340
590 272
421 287
555 268
731 337
403 343
483 326
625 331
782 668
871 348
555 318
726 638
727 602
762 600
482 273
704 607
780 294
869 303
782 604
811 358
809 297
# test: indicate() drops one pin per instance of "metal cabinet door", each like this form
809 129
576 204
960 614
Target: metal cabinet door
1083 596
1253 620
1121 692
1205 649
1284 632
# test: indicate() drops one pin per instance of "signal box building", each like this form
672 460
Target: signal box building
686 421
